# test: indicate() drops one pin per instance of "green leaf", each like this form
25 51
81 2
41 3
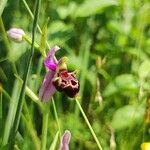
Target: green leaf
59 32
144 15
92 7
144 69
73 63
127 116
65 11
17 50
123 83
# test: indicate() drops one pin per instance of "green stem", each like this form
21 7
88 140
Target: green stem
22 94
36 45
1 109
28 122
34 97
2 6
29 40
56 117
84 70
31 15
4 35
44 129
89 125
31 94
39 29
6 42
1 113
5 94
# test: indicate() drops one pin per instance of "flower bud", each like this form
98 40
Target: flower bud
16 34
65 140
51 63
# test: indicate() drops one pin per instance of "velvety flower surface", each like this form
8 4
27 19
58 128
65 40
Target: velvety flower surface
65 140
66 82
16 34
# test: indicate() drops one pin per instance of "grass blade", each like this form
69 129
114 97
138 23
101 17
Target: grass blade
89 125
54 143
12 111
2 6
22 94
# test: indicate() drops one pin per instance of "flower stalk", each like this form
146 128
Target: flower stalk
29 40
89 125
56 117
44 128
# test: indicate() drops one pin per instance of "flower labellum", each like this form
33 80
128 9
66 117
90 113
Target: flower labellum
58 78
16 34
65 140
66 82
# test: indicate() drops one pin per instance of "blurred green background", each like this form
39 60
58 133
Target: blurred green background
108 43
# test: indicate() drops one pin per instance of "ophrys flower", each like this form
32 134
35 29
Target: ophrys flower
58 77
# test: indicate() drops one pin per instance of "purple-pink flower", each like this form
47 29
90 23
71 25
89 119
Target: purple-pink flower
16 34
57 78
48 89
64 145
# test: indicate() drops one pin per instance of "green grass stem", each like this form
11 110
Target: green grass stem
30 128
1 107
11 112
85 61
29 40
39 29
89 125
56 117
5 93
4 35
31 15
54 143
22 94
44 127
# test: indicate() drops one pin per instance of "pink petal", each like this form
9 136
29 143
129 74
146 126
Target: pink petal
50 62
47 89
65 140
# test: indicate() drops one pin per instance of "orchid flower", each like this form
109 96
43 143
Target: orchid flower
57 78
65 140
